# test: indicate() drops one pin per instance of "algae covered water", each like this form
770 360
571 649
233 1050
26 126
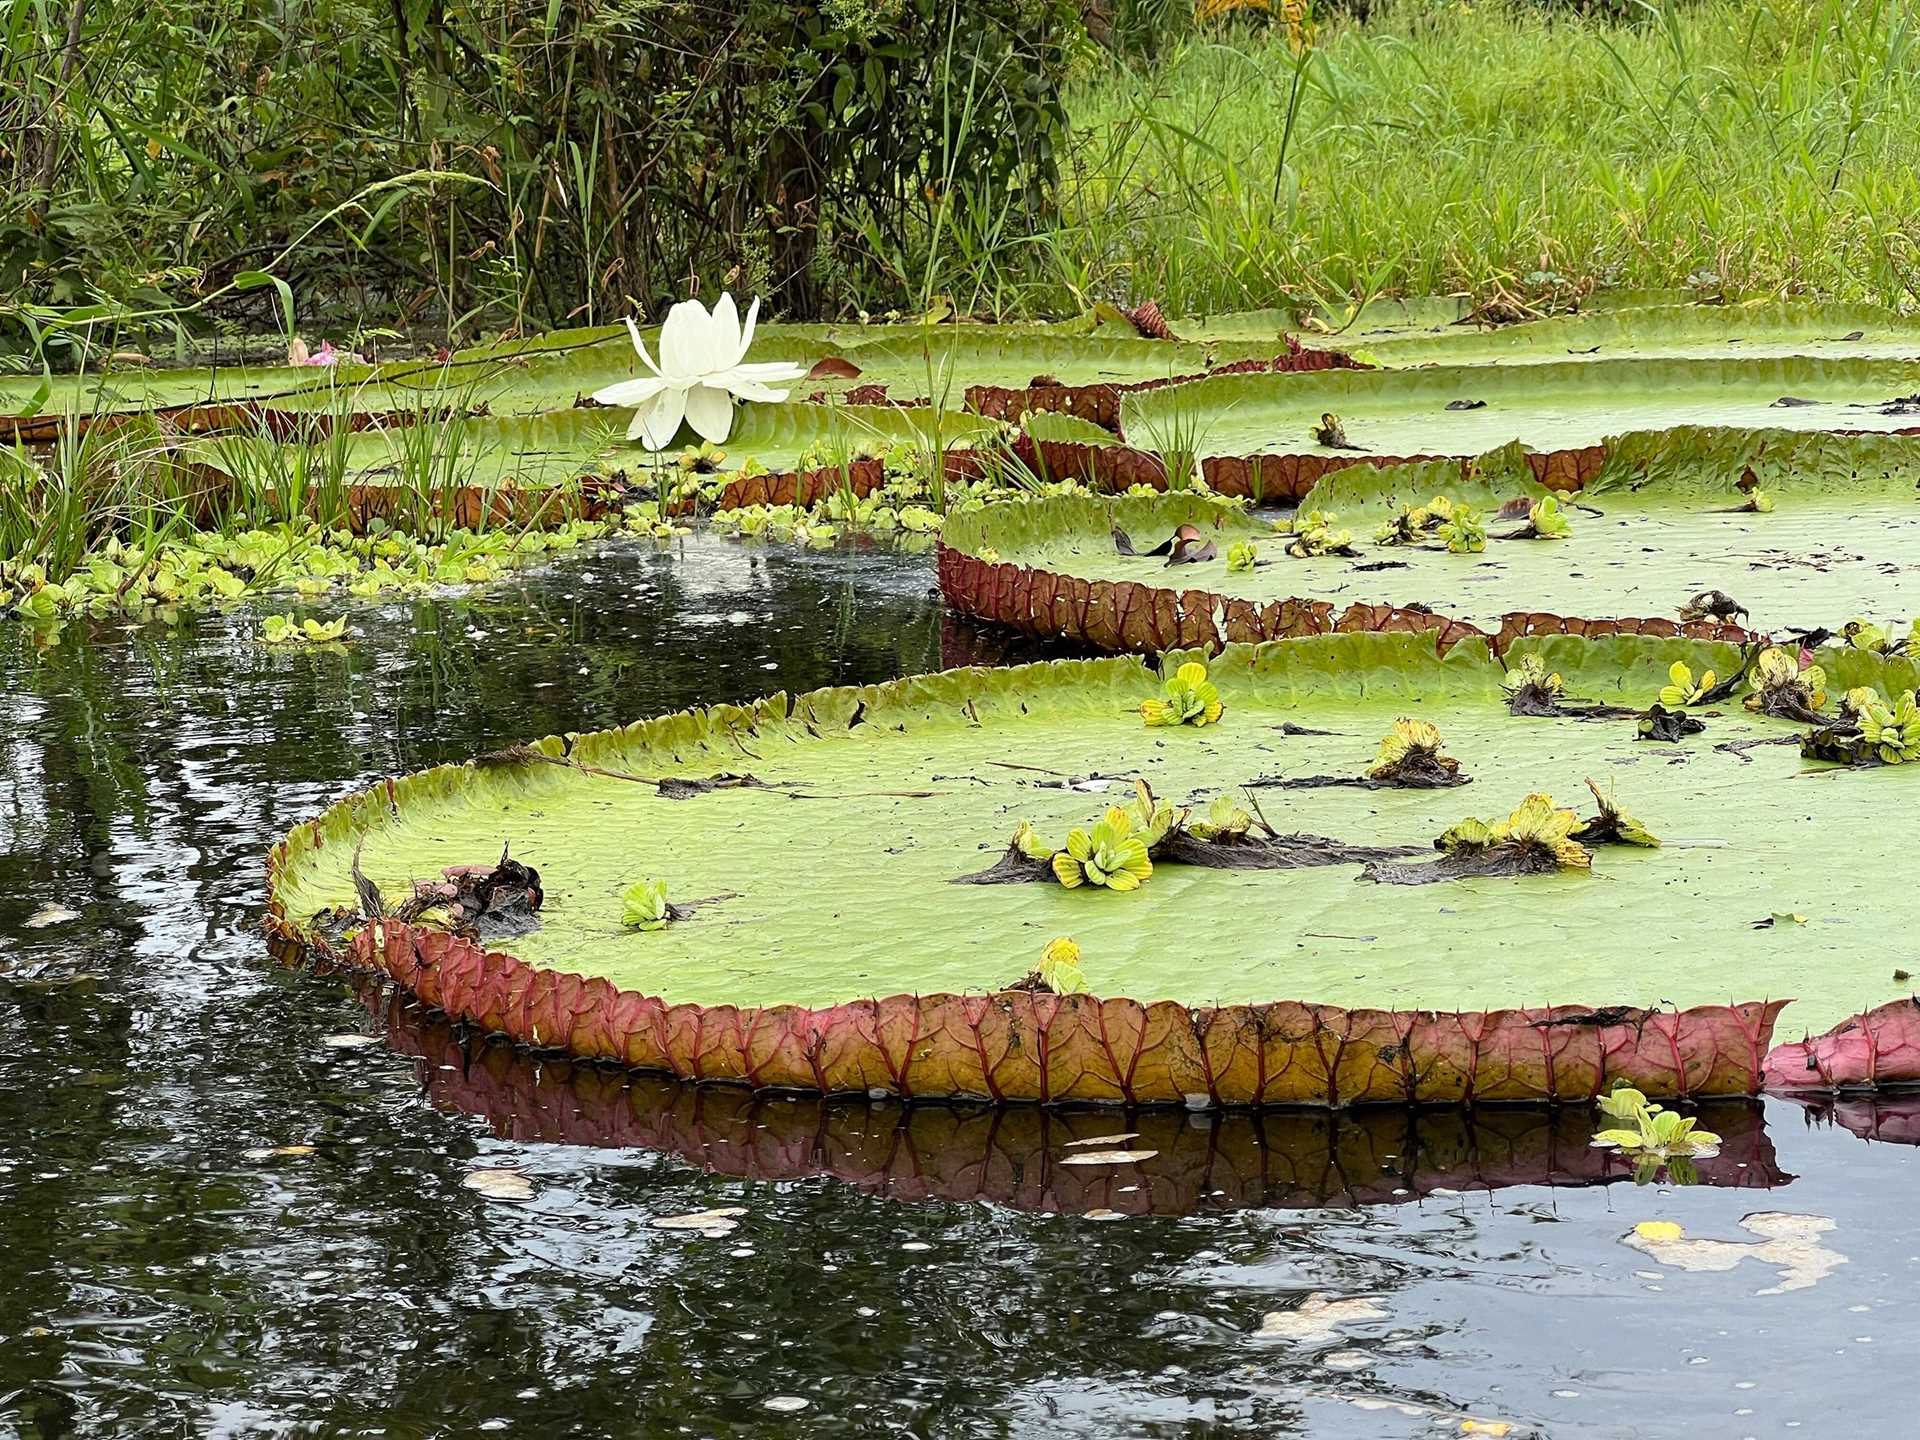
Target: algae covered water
244 1200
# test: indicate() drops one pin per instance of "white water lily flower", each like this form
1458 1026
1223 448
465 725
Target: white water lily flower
700 374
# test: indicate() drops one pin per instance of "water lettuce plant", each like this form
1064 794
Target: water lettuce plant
1109 856
285 630
1681 689
1314 535
1189 699
643 906
1652 1136
1465 533
1893 731
1416 524
1242 558
1546 520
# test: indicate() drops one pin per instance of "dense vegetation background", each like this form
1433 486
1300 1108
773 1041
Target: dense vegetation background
456 167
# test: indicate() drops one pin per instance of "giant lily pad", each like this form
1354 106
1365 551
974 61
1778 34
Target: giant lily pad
1663 523
1469 409
1696 332
831 949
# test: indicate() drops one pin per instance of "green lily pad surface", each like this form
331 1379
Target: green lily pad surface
834 883
1699 332
1546 407
1823 555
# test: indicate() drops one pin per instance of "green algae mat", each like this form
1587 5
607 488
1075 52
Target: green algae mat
1801 531
821 891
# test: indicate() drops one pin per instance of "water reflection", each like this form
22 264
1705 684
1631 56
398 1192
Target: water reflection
1024 1156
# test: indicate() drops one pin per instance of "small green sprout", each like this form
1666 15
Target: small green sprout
1191 699
1680 689
1242 557
644 906
1110 856
1656 1138
1060 969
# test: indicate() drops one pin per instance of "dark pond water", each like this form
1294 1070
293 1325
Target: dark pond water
926 1273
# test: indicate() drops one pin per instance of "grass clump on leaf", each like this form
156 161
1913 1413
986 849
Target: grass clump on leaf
1613 825
1410 755
1536 839
1782 687
1531 688
1190 699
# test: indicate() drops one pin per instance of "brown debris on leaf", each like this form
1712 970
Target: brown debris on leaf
1668 726
1331 432
675 788
832 367
1713 605
1185 546
485 901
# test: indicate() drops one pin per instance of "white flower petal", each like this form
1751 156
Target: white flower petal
631 392
754 390
746 335
724 335
640 346
710 412
663 418
766 370
684 341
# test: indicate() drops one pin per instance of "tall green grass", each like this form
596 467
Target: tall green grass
1766 145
